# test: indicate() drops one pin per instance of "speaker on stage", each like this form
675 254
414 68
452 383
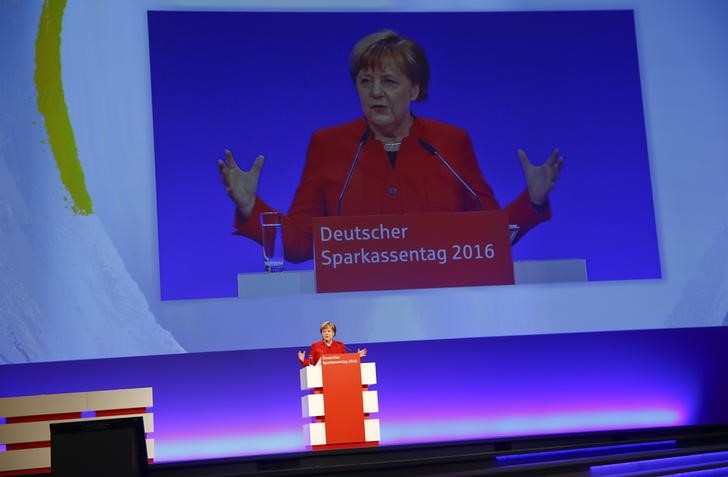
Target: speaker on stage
108 447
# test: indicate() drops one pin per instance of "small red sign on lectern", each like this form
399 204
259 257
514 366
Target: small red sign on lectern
389 252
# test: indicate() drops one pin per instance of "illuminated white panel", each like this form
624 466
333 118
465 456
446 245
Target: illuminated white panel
368 373
25 459
314 433
312 405
150 448
42 404
119 399
371 430
371 401
75 402
311 377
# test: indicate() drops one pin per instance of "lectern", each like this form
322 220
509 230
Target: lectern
339 403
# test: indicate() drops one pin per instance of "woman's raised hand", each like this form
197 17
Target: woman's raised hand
541 179
240 185
301 356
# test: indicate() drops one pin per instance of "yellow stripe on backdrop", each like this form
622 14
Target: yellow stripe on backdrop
52 105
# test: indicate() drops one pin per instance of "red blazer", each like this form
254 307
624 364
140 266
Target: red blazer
319 348
418 183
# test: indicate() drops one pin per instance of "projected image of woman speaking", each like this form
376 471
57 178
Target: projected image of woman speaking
387 162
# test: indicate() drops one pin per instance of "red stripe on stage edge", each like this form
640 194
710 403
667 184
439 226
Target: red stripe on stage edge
27 445
121 412
43 470
345 446
43 417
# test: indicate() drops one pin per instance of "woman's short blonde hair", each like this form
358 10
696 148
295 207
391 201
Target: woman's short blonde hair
374 50
327 324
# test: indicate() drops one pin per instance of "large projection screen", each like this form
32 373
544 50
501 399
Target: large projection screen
531 80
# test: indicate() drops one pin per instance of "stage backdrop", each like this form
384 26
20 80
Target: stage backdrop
80 268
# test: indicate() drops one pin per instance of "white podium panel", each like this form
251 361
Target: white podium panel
312 405
371 430
371 401
314 433
368 374
311 377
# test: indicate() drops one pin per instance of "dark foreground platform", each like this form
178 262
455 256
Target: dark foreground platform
685 451
650 452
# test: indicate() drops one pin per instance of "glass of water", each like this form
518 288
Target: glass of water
271 223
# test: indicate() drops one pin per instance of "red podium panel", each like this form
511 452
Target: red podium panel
343 398
389 252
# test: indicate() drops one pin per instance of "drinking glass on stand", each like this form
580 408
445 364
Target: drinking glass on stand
271 223
513 232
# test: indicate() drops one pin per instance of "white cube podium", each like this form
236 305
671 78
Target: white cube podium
339 403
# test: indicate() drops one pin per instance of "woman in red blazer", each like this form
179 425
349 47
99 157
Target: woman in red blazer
327 345
395 172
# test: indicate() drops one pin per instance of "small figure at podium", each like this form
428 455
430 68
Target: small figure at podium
327 345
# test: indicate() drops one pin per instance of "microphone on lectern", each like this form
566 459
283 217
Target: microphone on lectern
431 149
362 141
